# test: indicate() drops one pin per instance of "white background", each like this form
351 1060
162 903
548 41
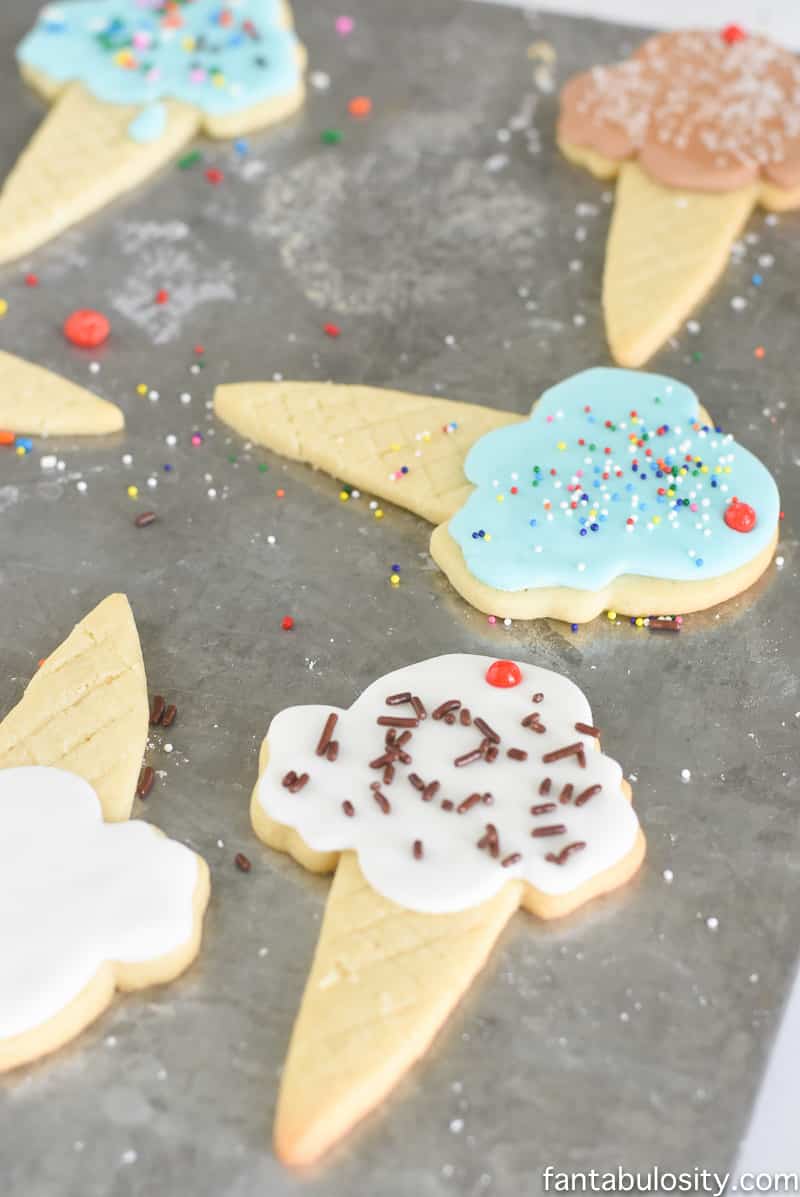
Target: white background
779 18
772 1143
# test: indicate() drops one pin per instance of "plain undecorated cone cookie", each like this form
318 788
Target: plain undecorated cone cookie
80 159
367 437
38 402
383 982
665 249
86 709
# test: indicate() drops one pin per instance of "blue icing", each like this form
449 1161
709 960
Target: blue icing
149 125
599 515
221 57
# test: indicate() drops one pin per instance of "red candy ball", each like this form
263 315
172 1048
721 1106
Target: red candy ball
287 623
503 674
733 33
740 516
86 329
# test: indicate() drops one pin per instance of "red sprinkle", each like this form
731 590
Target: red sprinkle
162 296
503 674
740 516
287 623
331 330
86 328
214 175
31 280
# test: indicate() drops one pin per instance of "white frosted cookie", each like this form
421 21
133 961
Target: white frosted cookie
619 492
89 903
132 84
451 793
38 402
694 153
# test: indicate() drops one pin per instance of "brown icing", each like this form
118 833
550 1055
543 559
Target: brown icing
696 110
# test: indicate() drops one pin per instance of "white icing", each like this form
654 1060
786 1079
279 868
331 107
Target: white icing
76 892
453 874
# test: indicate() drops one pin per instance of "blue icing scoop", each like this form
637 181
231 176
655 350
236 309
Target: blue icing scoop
615 473
219 57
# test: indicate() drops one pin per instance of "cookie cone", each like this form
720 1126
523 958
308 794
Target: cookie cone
366 436
383 981
81 157
665 249
36 401
86 708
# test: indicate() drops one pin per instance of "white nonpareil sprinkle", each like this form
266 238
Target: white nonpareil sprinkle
712 923
668 876
686 775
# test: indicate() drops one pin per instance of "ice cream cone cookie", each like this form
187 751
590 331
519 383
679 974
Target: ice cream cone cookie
699 127
36 401
86 906
450 793
86 709
130 85
614 494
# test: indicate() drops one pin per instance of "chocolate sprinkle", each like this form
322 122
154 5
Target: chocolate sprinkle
560 857
587 730
585 795
430 791
533 722
465 717
419 708
537 697
418 851
242 862
488 731
157 710
396 721
551 829
327 733
382 801
491 754
513 859
332 751
147 779
559 754
297 785
544 808
517 754
447 804
445 708
348 808
566 793
468 804
544 788
168 717
395 700
145 519
416 781
468 758
289 779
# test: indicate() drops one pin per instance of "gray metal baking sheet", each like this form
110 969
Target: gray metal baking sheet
460 256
